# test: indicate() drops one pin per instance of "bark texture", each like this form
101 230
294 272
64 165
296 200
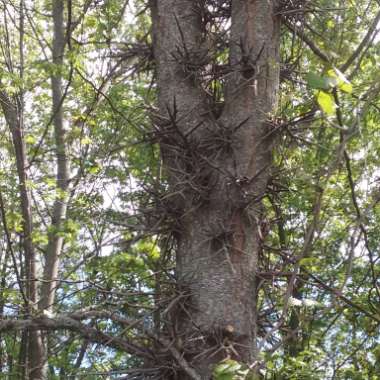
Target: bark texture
55 238
63 170
218 165
13 116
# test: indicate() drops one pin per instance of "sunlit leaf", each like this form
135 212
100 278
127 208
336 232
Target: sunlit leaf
227 369
341 81
326 102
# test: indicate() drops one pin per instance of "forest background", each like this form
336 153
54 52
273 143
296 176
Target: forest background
94 212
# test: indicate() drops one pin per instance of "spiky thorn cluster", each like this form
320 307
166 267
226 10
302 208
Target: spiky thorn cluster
293 10
220 342
200 158
192 157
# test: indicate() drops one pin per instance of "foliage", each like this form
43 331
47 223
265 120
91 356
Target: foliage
322 205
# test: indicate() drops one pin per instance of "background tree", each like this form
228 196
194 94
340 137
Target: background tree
162 217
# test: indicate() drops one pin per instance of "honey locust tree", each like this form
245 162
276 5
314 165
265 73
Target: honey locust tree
189 189
216 148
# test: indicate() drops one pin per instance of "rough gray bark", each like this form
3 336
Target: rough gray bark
217 186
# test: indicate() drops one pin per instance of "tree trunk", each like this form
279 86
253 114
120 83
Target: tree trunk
55 239
218 169
15 123
63 170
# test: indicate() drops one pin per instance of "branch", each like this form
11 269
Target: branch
321 54
183 363
366 40
355 202
10 248
16 127
316 50
72 323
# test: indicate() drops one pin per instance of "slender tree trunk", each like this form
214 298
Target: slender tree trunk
13 108
4 259
218 169
55 243
15 123
55 239
22 360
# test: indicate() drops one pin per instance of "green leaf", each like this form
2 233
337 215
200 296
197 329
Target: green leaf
317 82
86 140
334 78
29 139
346 87
341 81
227 365
308 261
226 370
326 102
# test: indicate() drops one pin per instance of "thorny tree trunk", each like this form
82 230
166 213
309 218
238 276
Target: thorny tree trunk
218 168
55 241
